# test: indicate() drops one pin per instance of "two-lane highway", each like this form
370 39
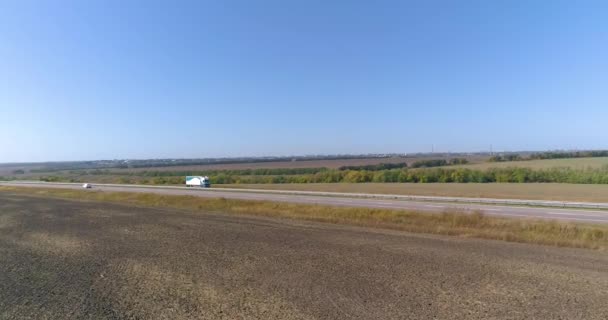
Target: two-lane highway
568 214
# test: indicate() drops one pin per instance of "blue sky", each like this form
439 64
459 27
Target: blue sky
153 79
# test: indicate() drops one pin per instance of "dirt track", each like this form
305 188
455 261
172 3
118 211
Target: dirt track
66 259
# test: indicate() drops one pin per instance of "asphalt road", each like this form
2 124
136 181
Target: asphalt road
577 215
63 259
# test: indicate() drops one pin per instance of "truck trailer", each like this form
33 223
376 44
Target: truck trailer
198 181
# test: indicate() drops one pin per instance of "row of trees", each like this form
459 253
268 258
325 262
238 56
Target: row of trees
150 163
376 167
235 172
549 155
564 155
438 162
460 175
506 157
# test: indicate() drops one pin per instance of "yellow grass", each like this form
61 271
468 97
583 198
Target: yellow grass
475 225
532 191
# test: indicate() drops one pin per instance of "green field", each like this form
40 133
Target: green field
532 191
575 163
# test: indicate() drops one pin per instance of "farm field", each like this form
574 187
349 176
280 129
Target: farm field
278 164
331 164
7 169
65 259
534 191
176 174
476 163
575 163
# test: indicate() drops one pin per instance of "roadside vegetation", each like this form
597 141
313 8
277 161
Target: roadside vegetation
570 168
531 191
322 175
450 223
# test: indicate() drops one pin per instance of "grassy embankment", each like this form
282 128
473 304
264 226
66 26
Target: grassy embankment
531 191
475 225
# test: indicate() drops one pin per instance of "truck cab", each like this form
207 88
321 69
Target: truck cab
198 181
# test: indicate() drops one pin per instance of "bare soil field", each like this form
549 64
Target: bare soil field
87 260
532 191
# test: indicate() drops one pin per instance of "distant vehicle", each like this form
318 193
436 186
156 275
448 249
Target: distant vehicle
87 186
198 181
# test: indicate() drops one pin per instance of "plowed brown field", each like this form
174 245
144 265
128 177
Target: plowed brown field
84 260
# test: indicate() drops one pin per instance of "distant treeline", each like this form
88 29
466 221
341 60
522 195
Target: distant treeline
422 175
376 167
59 166
506 157
150 163
417 164
237 172
564 155
215 161
548 155
438 163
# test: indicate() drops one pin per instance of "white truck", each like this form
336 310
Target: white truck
198 181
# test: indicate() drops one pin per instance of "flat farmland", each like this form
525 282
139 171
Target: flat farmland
272 165
575 163
63 259
476 163
533 191
332 164
8 169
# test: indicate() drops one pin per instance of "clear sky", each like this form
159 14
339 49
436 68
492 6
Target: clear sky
155 79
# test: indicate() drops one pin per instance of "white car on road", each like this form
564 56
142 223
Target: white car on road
87 186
